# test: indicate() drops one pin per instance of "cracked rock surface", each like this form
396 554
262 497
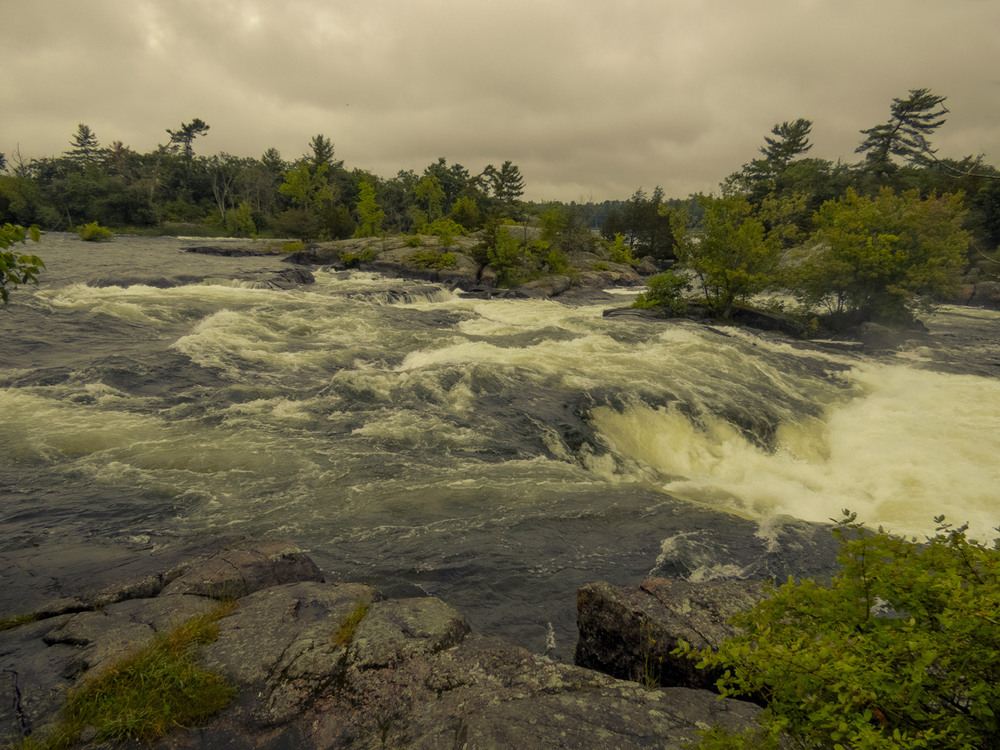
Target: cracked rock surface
329 664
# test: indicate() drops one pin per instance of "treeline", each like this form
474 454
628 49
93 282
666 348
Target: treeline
314 196
172 188
862 241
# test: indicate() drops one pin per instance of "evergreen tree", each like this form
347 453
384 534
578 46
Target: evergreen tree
85 145
183 137
322 153
911 121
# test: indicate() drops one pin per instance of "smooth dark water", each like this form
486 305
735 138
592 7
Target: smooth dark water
495 453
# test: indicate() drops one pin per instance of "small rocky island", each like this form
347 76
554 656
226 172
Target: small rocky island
316 663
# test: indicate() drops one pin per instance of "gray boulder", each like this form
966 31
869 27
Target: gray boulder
629 631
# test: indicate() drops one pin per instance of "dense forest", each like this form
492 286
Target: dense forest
768 211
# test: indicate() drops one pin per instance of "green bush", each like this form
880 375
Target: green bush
900 650
445 230
17 268
620 252
664 290
353 260
239 221
94 232
413 241
432 259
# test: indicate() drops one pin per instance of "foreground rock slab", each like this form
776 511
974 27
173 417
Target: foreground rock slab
322 664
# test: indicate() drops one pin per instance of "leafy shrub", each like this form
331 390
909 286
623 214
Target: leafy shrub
900 650
558 261
664 290
413 241
444 229
17 268
352 260
94 232
292 246
620 252
432 259
601 266
239 221
507 257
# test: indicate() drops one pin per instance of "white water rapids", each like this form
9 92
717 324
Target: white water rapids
495 453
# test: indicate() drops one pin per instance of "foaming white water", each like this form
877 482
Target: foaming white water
913 445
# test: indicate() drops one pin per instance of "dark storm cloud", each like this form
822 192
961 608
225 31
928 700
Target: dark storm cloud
590 99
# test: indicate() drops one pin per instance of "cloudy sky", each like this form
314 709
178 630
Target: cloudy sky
591 99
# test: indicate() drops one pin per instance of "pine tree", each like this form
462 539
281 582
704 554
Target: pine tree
85 145
905 135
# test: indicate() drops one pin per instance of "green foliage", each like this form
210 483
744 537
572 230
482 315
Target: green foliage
183 137
370 216
619 252
871 256
152 691
430 196
292 246
665 290
344 633
432 259
239 221
352 260
506 255
900 650
413 241
558 262
94 232
444 229
17 268
465 212
905 134
734 259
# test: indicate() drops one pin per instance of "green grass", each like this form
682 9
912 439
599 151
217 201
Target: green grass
344 634
6 623
147 693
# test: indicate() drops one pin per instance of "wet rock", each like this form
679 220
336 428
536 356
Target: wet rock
394 631
313 669
229 252
629 631
284 278
879 337
547 286
981 294
246 567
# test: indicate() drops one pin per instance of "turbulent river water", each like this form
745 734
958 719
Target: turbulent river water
497 454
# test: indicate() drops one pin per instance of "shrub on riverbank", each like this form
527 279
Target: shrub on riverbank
900 650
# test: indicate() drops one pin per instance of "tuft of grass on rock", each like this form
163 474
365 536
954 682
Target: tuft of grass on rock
344 634
147 693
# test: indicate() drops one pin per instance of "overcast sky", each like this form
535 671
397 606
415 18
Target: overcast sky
591 99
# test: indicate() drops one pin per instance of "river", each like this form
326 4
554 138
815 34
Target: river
497 454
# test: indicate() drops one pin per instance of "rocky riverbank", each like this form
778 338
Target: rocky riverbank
408 672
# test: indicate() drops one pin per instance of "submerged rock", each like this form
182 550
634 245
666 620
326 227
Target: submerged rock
325 665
